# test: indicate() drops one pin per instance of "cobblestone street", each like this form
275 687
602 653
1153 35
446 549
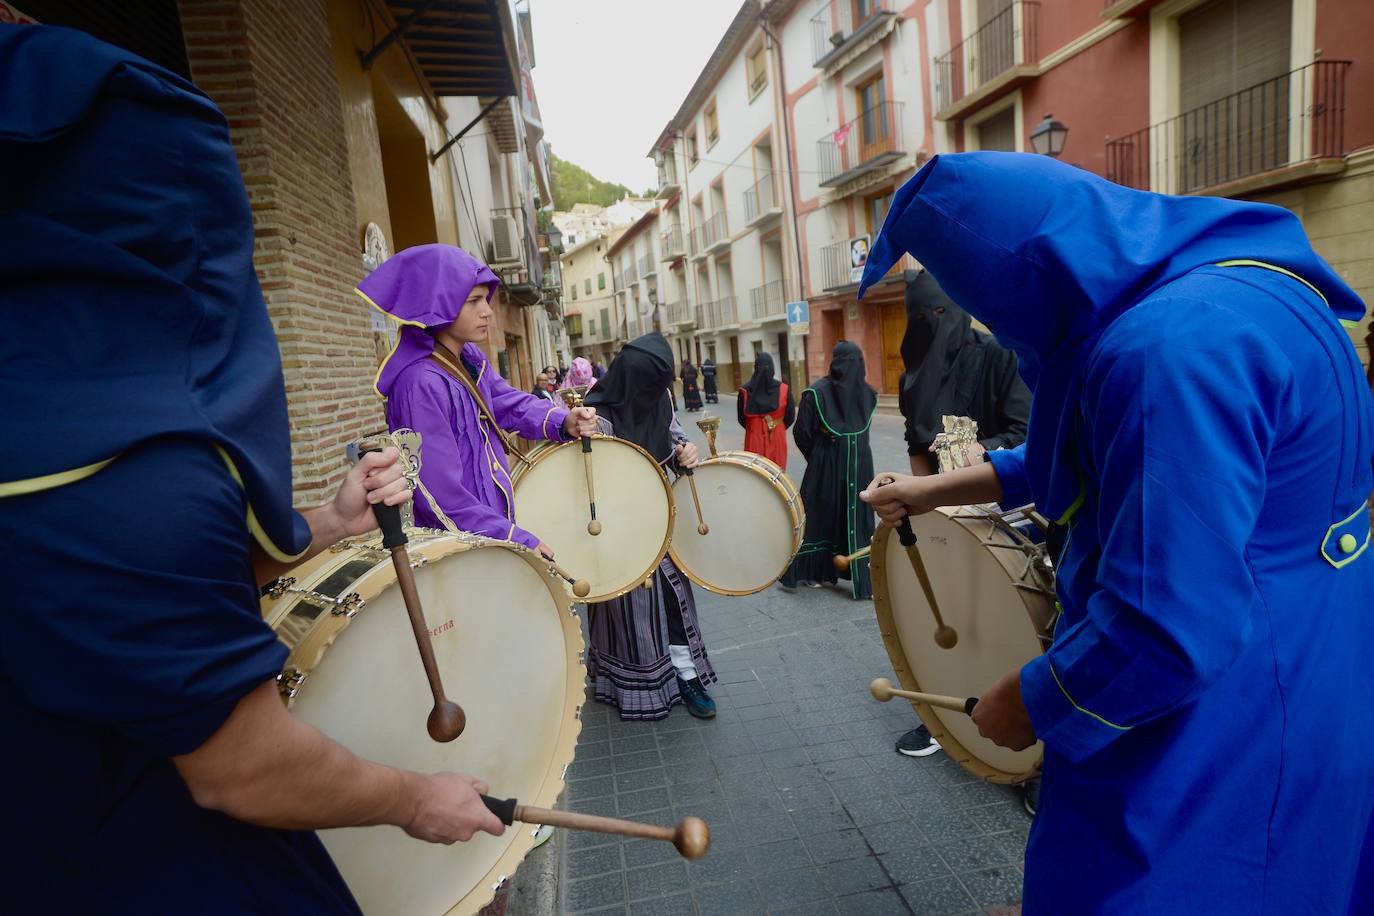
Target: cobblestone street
810 808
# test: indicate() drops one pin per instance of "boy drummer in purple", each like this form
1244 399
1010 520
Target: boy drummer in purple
434 378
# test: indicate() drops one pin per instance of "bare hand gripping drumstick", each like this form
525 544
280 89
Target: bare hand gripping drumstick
945 637
447 719
691 836
882 691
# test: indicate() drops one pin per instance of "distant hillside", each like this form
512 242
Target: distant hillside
573 184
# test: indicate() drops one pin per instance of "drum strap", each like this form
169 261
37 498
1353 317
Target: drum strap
454 367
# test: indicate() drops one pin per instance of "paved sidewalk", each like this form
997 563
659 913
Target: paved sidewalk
811 810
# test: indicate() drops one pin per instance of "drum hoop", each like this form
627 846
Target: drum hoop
315 644
545 449
887 626
775 476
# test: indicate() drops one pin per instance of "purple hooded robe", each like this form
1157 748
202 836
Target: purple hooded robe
463 460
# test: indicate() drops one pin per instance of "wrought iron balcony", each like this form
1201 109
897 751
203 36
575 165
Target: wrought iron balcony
862 145
710 235
840 26
769 300
679 313
722 313
761 202
1280 131
668 182
648 266
996 58
629 276
835 271
673 242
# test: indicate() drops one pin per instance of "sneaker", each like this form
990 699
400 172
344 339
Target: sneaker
695 699
917 743
1030 796
811 583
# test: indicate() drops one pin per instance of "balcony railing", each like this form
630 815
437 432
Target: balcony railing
679 313
674 243
769 300
722 313
709 234
834 28
862 145
628 277
835 271
1007 41
1280 123
761 201
667 173
648 266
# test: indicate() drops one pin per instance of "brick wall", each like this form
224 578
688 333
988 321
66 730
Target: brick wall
269 67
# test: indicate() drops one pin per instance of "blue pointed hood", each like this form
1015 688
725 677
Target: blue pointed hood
1048 255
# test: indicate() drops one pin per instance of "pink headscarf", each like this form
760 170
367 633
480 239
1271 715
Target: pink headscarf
581 373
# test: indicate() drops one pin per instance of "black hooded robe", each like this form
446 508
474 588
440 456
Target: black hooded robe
832 427
953 370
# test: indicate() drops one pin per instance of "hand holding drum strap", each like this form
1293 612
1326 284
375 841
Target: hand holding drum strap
446 719
691 836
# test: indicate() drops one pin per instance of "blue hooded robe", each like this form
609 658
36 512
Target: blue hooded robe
1203 425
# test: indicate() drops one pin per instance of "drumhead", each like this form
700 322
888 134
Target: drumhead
633 504
999 625
755 524
486 603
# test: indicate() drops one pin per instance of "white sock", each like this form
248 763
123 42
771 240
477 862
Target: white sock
682 661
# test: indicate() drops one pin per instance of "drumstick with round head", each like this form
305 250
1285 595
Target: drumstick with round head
593 526
882 691
702 527
842 562
580 587
945 636
446 719
691 836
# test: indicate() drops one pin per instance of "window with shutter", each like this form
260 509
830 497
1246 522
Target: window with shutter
1234 81
999 131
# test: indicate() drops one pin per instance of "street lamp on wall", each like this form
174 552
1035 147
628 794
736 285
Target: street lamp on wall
1048 137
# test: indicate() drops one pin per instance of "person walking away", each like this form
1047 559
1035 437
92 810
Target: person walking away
953 370
708 381
831 431
691 395
646 651
765 409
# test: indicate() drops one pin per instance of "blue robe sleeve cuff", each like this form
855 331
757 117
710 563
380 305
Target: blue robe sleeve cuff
1067 728
1010 466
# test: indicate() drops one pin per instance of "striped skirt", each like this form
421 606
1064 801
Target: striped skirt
628 657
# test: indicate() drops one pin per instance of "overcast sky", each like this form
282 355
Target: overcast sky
610 73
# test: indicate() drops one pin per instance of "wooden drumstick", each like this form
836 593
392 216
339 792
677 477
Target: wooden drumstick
691 836
580 587
882 691
447 719
593 526
842 563
945 636
702 527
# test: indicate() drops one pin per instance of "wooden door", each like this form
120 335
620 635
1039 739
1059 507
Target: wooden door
734 362
784 357
873 125
892 316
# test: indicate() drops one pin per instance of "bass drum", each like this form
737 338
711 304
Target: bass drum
354 673
996 589
754 518
633 504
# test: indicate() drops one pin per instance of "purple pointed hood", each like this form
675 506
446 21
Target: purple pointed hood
422 287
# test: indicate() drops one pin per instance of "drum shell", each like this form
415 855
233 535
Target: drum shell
384 699
634 504
732 527
997 594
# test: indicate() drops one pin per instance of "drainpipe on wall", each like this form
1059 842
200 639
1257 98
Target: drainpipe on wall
791 176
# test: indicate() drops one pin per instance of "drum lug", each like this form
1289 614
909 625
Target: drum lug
496 888
348 605
582 657
577 713
418 561
289 682
280 586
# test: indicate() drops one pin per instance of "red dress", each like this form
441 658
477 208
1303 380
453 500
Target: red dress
759 437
